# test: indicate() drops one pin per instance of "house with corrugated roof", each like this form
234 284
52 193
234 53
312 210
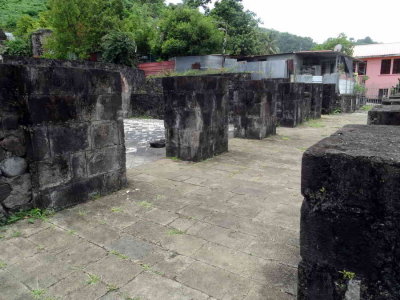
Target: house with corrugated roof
378 68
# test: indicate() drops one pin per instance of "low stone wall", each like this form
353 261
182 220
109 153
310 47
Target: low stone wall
148 100
196 116
253 110
350 225
62 138
132 79
384 115
295 105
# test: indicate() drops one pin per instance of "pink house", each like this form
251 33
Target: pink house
381 64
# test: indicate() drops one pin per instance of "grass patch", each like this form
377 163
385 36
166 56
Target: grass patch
116 209
145 204
174 158
285 138
30 215
175 232
146 267
302 149
119 255
112 288
38 294
2 265
314 124
93 279
16 234
367 107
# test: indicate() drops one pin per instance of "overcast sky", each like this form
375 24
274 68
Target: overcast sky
320 19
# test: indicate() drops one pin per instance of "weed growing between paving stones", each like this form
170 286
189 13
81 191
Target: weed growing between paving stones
116 210
175 232
145 204
38 294
285 138
93 279
30 215
16 234
112 288
2 265
119 255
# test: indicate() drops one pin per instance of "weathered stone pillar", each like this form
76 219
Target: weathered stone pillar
295 104
329 99
350 220
61 136
253 108
196 116
316 100
384 115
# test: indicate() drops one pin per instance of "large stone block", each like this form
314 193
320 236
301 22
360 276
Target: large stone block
384 115
350 221
104 134
253 110
105 160
52 172
69 137
196 117
20 196
295 104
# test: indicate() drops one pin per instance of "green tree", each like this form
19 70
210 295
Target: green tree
330 44
78 26
18 47
287 42
141 22
119 48
185 31
197 3
266 43
241 27
365 41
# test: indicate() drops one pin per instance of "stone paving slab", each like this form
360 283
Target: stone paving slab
226 228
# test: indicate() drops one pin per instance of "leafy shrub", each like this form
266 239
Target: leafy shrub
18 47
119 48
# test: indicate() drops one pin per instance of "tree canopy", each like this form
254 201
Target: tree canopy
342 39
185 31
150 28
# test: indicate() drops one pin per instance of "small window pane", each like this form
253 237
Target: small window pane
385 66
396 66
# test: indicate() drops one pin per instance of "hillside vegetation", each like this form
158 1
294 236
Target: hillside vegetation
11 10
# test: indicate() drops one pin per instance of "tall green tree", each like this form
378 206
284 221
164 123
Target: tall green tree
78 26
342 39
185 31
141 21
240 25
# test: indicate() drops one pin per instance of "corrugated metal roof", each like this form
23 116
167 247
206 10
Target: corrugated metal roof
373 50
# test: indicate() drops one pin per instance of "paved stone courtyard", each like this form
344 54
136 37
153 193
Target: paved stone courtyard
226 228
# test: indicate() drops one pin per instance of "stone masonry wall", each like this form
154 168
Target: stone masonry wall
196 116
132 79
350 218
62 129
253 110
384 115
148 100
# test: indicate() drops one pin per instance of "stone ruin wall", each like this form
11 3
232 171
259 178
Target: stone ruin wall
61 136
350 225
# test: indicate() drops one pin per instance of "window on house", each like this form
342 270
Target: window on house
385 66
362 68
383 93
396 66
